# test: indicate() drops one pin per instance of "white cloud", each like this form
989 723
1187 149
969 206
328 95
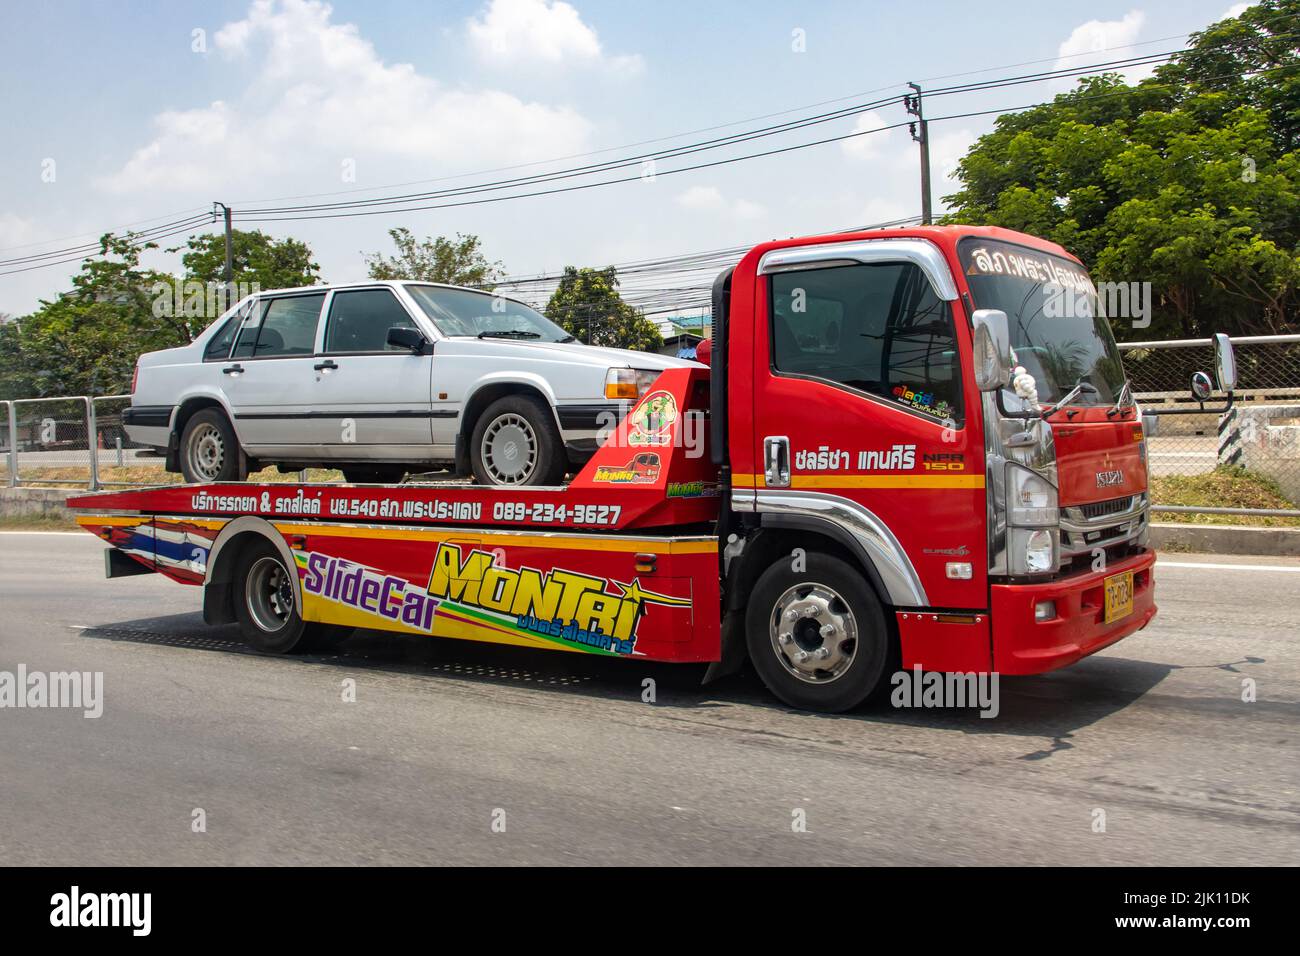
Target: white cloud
311 93
711 199
869 146
549 32
1099 41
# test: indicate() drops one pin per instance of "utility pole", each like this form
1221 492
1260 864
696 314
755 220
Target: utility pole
913 106
229 273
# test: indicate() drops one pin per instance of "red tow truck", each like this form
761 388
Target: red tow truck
910 448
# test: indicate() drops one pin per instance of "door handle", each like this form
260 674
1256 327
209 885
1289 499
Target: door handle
776 459
327 364
232 369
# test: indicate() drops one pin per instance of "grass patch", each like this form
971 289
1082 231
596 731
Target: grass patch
142 475
37 523
1225 487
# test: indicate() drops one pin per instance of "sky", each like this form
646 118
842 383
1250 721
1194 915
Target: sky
124 114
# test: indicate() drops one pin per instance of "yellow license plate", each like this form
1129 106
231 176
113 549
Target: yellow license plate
1119 596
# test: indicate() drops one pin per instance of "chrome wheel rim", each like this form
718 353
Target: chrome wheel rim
509 450
206 451
814 633
268 593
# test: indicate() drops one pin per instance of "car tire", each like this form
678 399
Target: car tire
209 449
836 652
266 606
355 475
516 443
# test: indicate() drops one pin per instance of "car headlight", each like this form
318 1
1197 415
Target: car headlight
1031 499
629 383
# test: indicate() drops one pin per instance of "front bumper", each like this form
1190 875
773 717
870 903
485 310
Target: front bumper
1022 645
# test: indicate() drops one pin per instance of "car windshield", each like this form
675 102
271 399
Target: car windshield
459 312
1058 329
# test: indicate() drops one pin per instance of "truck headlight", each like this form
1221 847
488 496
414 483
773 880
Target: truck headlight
629 383
1031 550
1031 499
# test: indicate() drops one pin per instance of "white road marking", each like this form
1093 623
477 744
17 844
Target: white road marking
1227 567
71 534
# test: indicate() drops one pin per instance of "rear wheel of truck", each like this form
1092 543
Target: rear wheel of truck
209 448
817 634
266 606
516 443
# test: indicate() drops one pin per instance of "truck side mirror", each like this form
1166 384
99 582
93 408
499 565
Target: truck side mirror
404 337
992 349
1225 362
1202 388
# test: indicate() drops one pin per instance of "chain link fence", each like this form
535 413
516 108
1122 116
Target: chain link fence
1244 461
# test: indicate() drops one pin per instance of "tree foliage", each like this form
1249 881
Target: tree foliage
256 258
458 261
1188 180
587 305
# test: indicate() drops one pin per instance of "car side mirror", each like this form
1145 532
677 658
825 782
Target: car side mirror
405 337
1225 362
992 349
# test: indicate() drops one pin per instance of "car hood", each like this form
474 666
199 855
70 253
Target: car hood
575 352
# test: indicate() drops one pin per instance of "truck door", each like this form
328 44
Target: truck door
863 416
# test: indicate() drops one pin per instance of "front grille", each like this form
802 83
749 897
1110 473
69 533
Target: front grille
1100 509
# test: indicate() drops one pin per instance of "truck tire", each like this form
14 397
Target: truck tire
818 636
516 443
209 449
265 605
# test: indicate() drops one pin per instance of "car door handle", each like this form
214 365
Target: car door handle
328 363
232 369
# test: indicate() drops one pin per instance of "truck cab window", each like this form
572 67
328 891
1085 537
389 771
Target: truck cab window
879 329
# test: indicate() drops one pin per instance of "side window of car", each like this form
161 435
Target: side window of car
246 336
877 328
359 321
218 347
288 326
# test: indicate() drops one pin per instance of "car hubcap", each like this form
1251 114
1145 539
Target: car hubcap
813 633
509 450
269 594
207 451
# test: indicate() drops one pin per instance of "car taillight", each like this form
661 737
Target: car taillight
135 377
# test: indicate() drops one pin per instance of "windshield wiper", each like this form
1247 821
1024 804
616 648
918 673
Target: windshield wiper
510 334
1124 393
1080 387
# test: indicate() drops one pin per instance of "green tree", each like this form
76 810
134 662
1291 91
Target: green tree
255 257
458 261
587 305
86 341
1188 180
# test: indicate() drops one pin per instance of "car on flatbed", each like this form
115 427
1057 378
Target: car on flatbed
380 379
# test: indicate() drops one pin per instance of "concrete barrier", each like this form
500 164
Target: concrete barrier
1226 539
34 502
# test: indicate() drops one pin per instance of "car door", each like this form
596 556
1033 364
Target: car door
372 400
270 374
860 408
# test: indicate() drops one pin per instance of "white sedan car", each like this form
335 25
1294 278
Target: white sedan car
383 378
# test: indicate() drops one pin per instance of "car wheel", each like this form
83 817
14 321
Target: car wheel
373 476
266 605
817 635
516 443
209 448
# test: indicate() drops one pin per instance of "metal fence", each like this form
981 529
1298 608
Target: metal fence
74 440
80 440
1259 439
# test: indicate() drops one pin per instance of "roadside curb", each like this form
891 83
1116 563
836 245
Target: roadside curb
1226 539
35 502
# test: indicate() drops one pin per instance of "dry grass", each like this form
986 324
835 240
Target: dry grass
1225 487
37 523
142 476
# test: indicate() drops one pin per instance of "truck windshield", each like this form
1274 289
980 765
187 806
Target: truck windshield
1058 330
459 312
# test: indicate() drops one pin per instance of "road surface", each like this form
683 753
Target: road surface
446 739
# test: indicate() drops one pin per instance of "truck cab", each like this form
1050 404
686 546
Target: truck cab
863 404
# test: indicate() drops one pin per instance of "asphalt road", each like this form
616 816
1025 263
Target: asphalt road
446 737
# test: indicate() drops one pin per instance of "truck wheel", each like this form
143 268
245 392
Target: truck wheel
817 636
516 443
209 448
265 607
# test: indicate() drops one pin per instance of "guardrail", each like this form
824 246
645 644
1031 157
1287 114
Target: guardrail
66 440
